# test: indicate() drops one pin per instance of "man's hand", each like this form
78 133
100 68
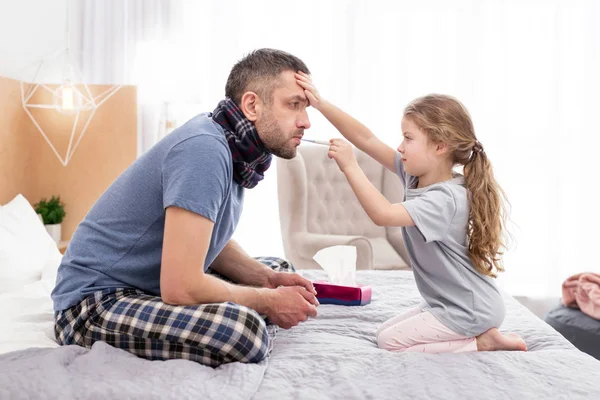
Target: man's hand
289 279
311 92
341 151
288 306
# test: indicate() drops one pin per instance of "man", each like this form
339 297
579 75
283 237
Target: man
148 269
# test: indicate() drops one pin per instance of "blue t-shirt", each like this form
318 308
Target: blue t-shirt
119 243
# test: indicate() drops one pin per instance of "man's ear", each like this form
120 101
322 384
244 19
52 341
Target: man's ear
251 105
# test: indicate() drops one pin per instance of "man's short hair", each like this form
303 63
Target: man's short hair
258 72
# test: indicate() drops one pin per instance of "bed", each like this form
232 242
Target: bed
333 356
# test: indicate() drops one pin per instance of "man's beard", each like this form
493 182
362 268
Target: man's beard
274 139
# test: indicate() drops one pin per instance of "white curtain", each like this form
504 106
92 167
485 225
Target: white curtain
107 36
526 69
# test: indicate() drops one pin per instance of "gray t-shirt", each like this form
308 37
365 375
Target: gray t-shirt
460 297
119 242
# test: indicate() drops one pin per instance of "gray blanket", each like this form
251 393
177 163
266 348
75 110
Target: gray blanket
333 356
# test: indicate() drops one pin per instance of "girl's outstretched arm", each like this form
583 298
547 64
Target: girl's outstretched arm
377 207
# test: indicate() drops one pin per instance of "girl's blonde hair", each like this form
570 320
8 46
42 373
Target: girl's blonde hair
445 120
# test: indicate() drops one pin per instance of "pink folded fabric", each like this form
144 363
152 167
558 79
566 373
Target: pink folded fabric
583 291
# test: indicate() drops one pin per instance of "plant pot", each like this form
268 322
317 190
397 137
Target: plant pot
54 231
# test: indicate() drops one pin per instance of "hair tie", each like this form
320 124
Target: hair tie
478 147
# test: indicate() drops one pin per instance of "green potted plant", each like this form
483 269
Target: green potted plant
53 213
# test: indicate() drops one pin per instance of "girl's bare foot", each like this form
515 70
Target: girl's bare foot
493 340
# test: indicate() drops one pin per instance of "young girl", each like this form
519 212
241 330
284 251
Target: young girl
452 224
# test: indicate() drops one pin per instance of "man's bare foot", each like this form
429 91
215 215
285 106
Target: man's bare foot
493 340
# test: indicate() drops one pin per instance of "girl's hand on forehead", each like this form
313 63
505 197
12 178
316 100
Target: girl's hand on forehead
311 92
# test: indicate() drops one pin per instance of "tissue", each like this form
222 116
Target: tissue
339 262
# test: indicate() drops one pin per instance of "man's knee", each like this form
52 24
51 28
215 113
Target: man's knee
285 265
249 341
277 264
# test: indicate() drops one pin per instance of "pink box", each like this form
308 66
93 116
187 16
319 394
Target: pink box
328 293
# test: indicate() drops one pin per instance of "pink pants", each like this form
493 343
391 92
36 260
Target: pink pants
419 331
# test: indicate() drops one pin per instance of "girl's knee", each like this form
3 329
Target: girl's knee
382 342
380 330
385 341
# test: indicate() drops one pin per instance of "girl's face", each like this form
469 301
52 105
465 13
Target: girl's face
418 154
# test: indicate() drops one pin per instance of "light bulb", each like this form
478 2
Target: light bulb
67 97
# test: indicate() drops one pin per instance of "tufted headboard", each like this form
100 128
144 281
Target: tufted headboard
318 209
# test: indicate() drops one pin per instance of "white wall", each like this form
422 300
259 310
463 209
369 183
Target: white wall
29 31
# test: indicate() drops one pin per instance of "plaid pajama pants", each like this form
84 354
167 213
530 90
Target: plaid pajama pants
210 334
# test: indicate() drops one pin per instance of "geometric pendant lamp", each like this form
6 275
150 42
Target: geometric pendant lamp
71 97
68 96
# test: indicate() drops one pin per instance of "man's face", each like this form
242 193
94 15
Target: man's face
281 123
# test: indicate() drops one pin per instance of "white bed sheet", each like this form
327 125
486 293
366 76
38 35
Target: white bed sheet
27 318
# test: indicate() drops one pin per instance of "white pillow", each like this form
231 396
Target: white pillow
26 249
